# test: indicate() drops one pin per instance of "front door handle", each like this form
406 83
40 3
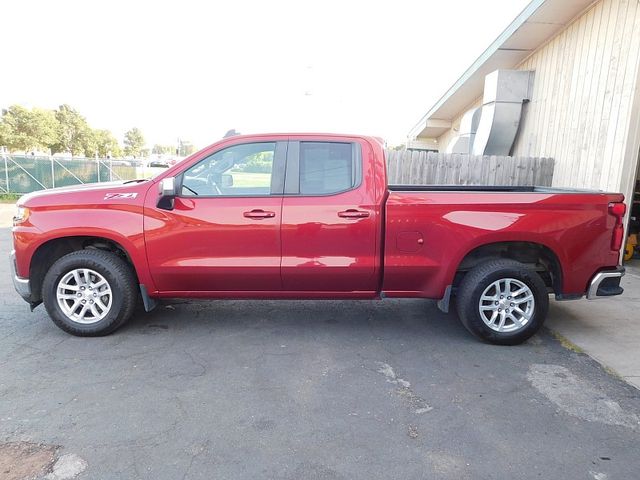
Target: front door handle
258 214
353 213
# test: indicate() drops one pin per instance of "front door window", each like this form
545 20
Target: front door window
237 171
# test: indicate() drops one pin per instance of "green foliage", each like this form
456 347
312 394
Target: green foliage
9 197
62 130
65 130
27 130
163 149
74 134
106 144
133 142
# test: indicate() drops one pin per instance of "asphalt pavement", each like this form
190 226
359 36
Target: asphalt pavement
303 390
607 329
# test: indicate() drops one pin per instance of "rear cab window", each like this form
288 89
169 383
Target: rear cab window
317 168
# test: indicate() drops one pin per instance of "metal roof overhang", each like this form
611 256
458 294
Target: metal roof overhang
539 22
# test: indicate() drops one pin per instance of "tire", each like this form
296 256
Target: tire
101 310
481 308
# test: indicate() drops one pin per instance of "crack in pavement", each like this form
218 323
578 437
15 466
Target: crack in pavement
416 402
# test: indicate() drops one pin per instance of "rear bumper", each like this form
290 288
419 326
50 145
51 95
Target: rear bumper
21 285
606 284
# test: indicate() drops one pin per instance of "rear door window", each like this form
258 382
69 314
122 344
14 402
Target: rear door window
327 168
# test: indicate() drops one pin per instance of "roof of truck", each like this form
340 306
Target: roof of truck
304 134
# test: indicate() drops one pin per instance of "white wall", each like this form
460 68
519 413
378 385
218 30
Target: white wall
584 108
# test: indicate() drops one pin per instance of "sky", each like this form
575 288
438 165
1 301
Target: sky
195 69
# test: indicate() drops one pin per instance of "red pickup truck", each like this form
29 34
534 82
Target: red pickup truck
310 216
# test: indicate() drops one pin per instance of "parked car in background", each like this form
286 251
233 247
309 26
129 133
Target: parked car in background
120 163
307 217
163 161
159 163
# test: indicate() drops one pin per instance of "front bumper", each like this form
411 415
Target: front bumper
606 283
21 285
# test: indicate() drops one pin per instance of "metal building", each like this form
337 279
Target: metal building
561 81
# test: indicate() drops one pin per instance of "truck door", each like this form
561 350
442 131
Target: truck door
329 217
223 232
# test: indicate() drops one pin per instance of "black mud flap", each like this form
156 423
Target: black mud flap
149 303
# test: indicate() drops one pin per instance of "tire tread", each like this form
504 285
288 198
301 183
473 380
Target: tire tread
475 279
125 283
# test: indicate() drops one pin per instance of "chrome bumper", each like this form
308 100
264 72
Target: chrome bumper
21 284
606 284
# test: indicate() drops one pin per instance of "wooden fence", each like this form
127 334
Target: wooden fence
430 168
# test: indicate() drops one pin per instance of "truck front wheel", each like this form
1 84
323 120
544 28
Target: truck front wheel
502 302
89 293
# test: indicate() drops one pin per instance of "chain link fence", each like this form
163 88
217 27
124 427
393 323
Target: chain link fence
25 174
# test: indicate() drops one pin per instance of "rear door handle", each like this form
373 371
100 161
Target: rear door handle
258 214
353 213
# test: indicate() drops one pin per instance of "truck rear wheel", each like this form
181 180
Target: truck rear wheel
502 302
89 292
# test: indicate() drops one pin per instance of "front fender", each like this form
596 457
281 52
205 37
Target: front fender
121 224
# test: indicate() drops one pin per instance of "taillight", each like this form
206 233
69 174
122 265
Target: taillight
617 210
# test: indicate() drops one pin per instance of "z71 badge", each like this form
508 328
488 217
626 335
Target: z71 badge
120 196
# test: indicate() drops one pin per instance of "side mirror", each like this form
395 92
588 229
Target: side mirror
167 193
168 187
227 180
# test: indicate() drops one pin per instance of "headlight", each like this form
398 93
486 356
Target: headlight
21 215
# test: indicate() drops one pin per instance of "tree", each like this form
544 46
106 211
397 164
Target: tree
106 144
163 149
89 143
74 134
133 142
5 133
24 129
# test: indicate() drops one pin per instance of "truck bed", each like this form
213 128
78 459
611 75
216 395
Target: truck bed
450 221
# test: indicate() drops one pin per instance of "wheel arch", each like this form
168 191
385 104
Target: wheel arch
537 255
49 251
